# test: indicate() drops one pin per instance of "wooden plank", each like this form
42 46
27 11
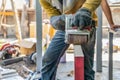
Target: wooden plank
2 10
9 74
2 19
6 25
7 13
18 29
24 26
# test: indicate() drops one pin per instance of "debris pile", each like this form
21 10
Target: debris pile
9 74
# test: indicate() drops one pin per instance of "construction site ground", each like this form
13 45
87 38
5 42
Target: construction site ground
66 70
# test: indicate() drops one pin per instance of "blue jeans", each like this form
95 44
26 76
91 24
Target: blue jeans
55 51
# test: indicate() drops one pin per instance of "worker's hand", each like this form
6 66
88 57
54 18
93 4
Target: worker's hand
82 19
114 27
58 22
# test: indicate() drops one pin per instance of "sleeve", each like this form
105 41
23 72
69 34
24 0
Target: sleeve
49 9
91 4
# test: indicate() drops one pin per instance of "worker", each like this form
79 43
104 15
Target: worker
84 15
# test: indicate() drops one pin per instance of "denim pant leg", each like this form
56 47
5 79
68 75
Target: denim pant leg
52 56
88 50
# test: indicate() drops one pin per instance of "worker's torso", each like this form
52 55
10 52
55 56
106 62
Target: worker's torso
69 6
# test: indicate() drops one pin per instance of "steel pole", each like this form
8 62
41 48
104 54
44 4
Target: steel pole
39 35
110 69
99 41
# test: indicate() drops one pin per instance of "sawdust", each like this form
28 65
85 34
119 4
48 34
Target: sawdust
70 74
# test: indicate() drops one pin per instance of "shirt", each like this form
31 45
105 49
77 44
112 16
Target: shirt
58 7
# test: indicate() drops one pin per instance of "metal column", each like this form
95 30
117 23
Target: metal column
110 69
99 41
39 35
36 75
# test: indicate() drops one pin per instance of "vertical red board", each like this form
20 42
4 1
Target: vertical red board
79 68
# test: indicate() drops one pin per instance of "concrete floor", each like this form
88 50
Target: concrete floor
65 68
